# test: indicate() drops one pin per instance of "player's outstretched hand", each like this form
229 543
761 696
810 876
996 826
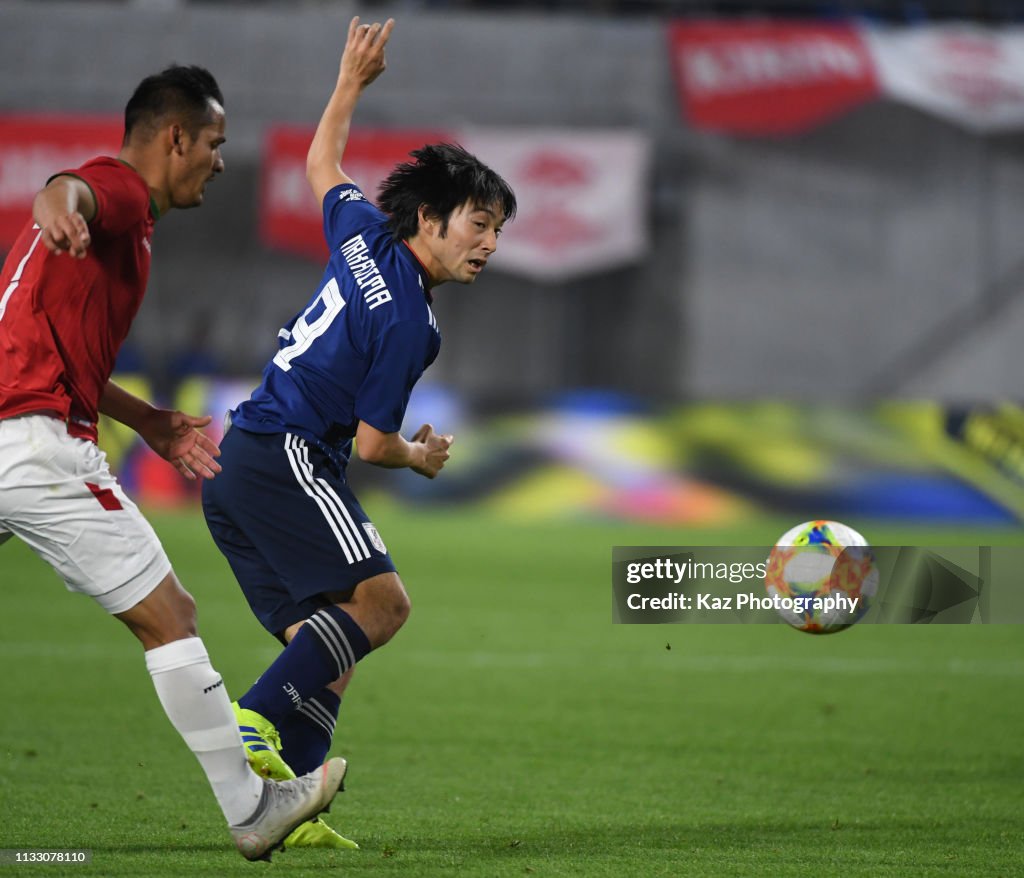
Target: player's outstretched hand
177 437
363 59
436 450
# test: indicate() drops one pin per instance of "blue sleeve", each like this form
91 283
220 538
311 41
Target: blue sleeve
401 354
347 213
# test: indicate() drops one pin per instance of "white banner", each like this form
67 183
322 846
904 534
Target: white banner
582 198
969 75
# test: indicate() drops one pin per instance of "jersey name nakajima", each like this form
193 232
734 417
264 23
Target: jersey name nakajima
62 320
360 344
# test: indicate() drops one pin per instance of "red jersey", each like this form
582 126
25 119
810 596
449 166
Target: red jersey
62 320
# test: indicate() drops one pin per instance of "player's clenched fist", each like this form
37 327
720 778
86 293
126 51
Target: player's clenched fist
436 452
62 210
68 232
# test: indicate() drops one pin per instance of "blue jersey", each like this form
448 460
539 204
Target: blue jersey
360 344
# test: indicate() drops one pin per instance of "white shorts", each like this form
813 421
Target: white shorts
57 494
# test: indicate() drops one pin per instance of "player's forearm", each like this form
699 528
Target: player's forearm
362 62
328 147
388 450
125 407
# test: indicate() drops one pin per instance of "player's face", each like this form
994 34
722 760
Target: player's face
471 240
198 160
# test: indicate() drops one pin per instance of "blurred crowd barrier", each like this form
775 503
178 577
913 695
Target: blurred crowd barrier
601 456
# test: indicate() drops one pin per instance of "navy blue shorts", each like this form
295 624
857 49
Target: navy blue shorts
291 528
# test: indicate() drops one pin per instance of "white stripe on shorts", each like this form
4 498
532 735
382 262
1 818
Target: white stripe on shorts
349 526
337 516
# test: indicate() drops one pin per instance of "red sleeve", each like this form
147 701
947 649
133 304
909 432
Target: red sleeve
122 198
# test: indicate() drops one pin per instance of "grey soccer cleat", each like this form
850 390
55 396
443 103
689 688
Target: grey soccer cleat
284 805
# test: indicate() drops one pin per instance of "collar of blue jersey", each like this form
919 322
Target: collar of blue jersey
424 277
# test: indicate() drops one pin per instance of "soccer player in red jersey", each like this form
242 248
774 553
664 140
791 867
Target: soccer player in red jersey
69 290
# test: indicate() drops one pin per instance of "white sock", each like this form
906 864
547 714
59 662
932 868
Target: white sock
196 703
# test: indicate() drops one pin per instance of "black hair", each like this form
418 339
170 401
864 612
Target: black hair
443 176
180 90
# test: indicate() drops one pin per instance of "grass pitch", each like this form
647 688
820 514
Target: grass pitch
510 729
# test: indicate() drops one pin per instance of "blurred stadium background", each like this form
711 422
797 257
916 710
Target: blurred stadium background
767 256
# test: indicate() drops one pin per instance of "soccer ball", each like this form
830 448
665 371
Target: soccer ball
821 576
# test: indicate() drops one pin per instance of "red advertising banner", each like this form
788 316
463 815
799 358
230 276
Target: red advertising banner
290 217
582 193
769 77
33 147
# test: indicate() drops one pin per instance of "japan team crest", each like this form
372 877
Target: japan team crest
378 543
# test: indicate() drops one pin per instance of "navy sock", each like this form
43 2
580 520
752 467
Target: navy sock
324 648
306 733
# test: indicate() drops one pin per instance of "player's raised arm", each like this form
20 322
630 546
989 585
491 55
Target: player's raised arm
361 63
63 210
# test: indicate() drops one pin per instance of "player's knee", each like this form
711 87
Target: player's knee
185 613
401 608
391 608
178 620
166 614
178 608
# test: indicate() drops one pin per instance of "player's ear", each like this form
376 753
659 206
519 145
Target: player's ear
176 137
429 221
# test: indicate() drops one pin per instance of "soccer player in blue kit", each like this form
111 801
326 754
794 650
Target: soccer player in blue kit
311 564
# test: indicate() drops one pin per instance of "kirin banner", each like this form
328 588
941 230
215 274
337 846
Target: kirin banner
770 78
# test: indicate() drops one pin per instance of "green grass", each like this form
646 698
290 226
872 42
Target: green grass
512 730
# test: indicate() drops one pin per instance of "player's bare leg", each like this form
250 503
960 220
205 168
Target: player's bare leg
329 643
379 606
294 731
193 696
302 740
166 614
